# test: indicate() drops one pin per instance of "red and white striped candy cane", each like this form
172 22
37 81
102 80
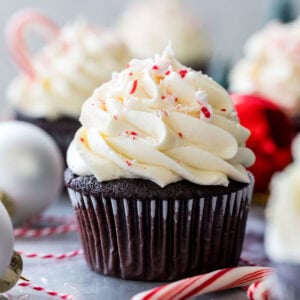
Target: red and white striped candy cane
42 289
206 283
259 290
15 37
48 231
60 256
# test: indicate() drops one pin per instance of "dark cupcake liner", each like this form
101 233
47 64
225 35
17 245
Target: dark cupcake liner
61 130
286 282
161 240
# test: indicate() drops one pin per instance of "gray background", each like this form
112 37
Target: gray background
228 22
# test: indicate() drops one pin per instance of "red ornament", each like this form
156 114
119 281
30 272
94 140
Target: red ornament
271 136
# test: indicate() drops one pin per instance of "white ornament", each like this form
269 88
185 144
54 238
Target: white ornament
31 168
6 240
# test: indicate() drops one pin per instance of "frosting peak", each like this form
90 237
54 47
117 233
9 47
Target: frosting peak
162 121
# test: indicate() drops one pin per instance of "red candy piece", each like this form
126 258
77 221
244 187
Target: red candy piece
271 136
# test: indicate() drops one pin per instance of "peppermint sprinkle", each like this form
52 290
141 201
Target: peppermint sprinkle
116 117
163 113
82 140
223 109
163 97
133 133
180 134
206 112
129 164
155 67
168 73
182 73
134 87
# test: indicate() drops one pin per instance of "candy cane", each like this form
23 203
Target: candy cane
15 36
42 289
61 256
207 283
259 290
48 231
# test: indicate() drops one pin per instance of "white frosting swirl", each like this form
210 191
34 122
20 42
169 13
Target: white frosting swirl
162 121
271 66
68 70
283 213
147 26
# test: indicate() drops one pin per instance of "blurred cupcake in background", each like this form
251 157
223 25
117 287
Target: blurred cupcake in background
147 26
283 222
54 83
271 67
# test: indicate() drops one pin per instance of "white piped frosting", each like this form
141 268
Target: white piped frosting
68 70
283 213
271 66
162 121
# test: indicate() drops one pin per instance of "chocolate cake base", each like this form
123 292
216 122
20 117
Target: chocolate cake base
134 229
62 130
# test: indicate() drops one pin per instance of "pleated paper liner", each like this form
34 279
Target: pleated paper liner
162 240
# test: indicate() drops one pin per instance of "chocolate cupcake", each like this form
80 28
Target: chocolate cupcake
157 174
283 221
54 83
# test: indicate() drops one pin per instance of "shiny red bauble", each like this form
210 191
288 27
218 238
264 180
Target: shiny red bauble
271 136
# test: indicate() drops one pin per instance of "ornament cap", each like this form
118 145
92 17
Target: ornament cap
13 274
8 203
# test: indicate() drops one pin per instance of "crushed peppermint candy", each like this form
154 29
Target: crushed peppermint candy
133 133
180 134
82 139
155 67
163 113
205 109
134 87
206 112
129 164
182 73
